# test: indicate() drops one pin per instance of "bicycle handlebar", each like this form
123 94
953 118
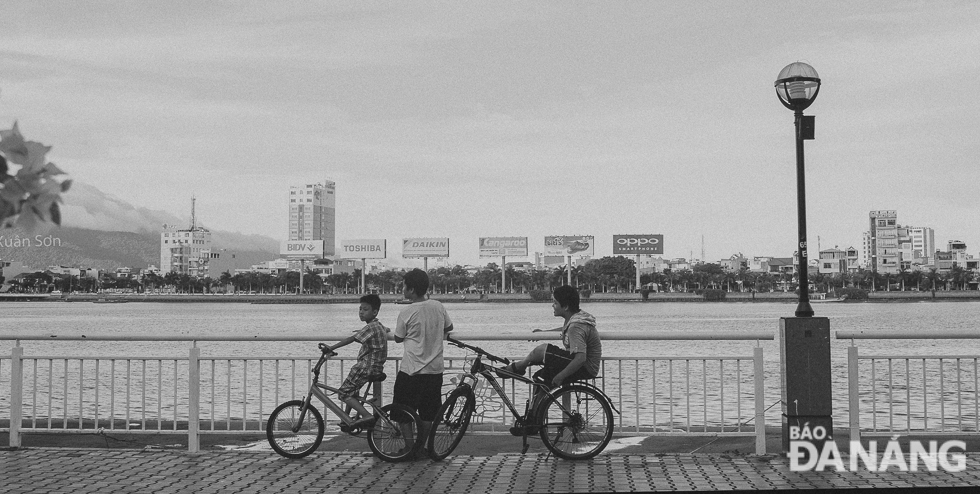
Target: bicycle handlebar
478 350
326 350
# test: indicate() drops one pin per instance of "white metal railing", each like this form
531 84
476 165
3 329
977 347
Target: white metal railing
695 395
912 394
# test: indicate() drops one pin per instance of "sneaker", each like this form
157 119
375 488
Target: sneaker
511 368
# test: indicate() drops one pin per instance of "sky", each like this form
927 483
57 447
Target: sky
529 119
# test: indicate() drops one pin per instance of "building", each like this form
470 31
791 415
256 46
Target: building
542 261
734 264
881 242
312 214
922 244
649 264
833 262
185 250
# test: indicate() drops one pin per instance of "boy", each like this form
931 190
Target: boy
581 357
422 327
370 361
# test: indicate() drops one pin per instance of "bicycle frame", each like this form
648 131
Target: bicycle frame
487 371
320 390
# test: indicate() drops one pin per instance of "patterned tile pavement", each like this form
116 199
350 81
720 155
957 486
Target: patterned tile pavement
59 470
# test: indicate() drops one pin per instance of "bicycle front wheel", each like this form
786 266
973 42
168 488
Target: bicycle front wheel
288 436
451 422
577 423
395 435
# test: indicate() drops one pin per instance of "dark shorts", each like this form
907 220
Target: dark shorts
555 361
421 392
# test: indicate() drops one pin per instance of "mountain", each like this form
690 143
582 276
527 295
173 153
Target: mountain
104 232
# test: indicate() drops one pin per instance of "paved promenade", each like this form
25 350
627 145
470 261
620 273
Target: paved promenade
63 470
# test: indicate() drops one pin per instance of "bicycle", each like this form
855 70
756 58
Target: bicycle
574 421
295 428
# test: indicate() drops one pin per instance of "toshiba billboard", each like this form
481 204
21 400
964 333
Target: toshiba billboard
638 244
363 249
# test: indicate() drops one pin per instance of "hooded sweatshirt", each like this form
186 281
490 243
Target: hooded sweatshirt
579 335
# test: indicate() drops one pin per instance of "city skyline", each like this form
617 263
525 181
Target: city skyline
465 121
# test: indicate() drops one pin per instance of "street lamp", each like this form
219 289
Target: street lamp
797 86
804 340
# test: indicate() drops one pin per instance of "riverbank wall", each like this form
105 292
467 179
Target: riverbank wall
743 297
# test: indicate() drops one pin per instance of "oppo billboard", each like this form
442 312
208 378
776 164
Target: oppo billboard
638 244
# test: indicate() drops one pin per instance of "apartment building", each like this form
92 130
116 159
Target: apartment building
881 242
313 214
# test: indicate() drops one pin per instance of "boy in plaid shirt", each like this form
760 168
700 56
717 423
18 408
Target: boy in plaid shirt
370 361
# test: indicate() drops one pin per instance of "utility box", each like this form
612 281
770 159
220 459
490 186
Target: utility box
804 359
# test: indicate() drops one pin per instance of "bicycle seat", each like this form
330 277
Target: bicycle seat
374 378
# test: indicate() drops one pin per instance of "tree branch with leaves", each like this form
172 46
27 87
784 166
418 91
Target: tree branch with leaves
31 193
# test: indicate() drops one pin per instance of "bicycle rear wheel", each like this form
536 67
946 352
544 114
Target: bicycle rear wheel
451 422
397 437
582 432
287 442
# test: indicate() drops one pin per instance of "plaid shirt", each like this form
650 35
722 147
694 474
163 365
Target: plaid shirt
371 359
374 346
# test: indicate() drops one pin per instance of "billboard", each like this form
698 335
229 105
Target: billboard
638 244
425 247
569 245
302 249
364 249
503 246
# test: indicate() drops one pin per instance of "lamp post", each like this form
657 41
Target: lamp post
797 86
804 349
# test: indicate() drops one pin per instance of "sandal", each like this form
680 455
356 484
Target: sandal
511 368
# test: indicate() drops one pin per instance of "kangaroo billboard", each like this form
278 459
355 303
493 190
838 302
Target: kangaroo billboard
569 245
638 244
503 246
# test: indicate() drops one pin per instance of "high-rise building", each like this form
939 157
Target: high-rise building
881 243
923 243
185 250
312 214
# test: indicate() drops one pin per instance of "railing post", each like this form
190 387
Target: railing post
194 400
853 393
760 401
16 393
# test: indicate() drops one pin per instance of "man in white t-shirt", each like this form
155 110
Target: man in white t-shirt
421 326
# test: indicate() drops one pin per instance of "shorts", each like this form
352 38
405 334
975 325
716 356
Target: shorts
421 393
356 378
555 361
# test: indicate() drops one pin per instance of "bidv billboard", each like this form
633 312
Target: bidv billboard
425 247
302 249
569 245
363 249
638 244
503 246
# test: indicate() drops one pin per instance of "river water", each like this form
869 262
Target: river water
191 319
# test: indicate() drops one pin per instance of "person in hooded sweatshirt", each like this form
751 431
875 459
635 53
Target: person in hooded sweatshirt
580 358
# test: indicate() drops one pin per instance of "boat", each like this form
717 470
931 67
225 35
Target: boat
109 301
